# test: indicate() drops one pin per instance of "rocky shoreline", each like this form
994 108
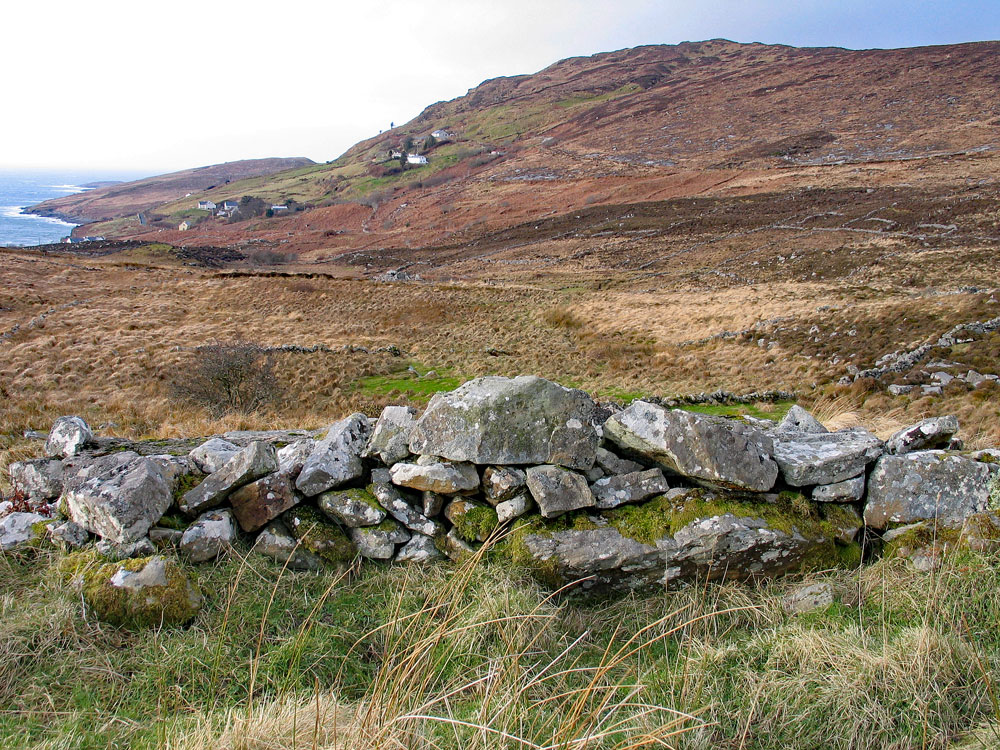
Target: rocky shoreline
521 469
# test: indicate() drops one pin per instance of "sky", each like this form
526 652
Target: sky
159 86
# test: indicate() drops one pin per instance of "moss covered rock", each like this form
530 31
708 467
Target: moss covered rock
316 534
141 593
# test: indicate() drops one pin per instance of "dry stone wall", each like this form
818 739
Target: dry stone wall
609 499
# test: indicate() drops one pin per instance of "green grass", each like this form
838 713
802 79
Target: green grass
405 385
902 659
775 411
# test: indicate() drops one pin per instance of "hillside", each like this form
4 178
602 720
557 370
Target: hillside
113 200
651 123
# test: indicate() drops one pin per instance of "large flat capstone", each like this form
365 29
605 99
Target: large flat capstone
497 420
710 450
808 458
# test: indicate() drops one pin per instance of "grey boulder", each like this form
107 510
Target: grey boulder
420 549
336 459
277 543
848 491
558 490
247 465
213 454
501 483
17 529
445 477
610 492
799 420
118 496
935 432
711 450
292 457
926 485
40 479
208 537
390 440
351 508
498 420
69 435
379 542
825 458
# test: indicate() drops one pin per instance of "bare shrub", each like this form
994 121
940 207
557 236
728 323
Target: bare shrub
265 257
226 378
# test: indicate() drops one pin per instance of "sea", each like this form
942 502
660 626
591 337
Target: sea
21 189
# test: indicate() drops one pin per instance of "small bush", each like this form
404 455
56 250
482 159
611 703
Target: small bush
265 258
228 378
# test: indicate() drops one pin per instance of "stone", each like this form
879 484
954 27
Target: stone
848 491
825 458
40 479
390 440
722 537
901 390
125 551
502 421
209 537
143 593
433 503
118 496
247 465
472 521
925 434
502 483
323 538
336 459
710 450
177 469
456 548
403 509
943 378
292 457
594 474
276 542
558 490
517 506
68 437
420 549
799 420
257 503
610 492
68 535
17 529
351 508
807 597
444 478
926 485
981 533
612 464
165 538
213 454
931 390
379 542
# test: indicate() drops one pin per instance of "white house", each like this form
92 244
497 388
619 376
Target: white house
206 206
441 135
277 208
230 205
185 225
395 154
416 159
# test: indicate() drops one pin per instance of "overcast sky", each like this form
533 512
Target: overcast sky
153 87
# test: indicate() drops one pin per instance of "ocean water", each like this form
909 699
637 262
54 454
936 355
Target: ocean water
21 189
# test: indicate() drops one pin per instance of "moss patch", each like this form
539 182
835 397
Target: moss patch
184 484
319 536
476 523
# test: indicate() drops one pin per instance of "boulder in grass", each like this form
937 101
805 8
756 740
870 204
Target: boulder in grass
257 503
390 440
558 490
503 421
710 450
320 536
148 592
379 542
69 435
208 537
18 529
926 486
935 432
68 535
249 464
825 458
420 549
336 459
118 496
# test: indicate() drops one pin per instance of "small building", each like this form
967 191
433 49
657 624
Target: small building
206 206
230 205
185 225
279 208
416 159
395 154
441 135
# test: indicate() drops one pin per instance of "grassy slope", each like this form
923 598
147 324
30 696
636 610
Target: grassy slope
901 660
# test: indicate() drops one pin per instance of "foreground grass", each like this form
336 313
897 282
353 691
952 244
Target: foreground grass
478 656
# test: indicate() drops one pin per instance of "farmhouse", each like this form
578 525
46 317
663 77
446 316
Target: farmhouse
206 206
416 159
441 135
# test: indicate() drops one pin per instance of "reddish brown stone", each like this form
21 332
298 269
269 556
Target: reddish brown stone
261 501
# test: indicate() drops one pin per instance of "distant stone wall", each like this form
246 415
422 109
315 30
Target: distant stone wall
610 499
